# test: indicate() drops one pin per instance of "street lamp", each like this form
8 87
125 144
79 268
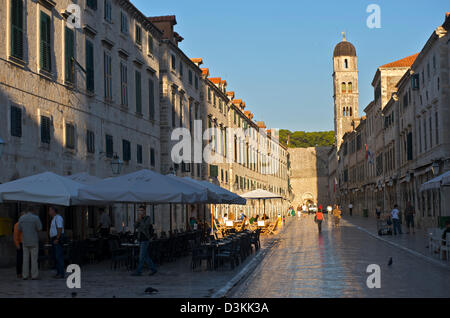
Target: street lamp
116 165
434 168
2 145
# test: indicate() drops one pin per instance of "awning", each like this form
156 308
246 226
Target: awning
226 197
44 188
436 183
143 186
84 178
261 194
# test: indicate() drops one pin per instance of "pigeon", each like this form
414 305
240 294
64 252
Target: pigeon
151 290
390 262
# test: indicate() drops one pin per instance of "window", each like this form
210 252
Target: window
89 66
138 93
16 121
415 82
45 129
45 43
92 4
152 157
69 41
409 147
174 111
181 68
196 82
346 63
209 95
138 35
90 141
108 11
123 23
344 88
151 94
70 136
109 146
108 76
350 87
181 111
150 44
174 66
123 84
139 154
436 127
190 77
17 28
126 150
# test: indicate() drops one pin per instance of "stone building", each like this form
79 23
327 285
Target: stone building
405 135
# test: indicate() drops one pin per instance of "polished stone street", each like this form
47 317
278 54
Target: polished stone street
305 263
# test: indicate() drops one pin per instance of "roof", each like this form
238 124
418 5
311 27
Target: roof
198 61
215 80
405 62
344 48
166 18
205 71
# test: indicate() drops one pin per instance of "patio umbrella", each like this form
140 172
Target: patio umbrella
211 196
45 188
143 186
260 194
84 178
436 183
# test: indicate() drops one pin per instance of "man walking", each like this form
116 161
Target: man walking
144 230
350 208
409 216
56 237
396 220
30 225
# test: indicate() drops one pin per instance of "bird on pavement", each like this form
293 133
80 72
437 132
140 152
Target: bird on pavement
151 290
390 262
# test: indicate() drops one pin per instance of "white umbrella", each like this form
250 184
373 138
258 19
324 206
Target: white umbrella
45 188
143 186
212 197
84 178
226 197
260 194
436 183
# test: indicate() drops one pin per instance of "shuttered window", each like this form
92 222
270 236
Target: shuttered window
126 149
70 136
16 121
17 28
89 66
69 54
109 146
92 4
138 35
123 23
90 141
139 154
152 157
138 92
151 92
108 76
45 129
124 84
108 11
45 41
410 146
150 44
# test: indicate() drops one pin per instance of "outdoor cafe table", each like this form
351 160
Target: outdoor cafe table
131 247
213 246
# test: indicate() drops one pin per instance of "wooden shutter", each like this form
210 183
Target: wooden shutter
109 146
17 28
90 142
45 129
126 150
69 52
151 92
16 121
139 154
45 42
138 93
89 66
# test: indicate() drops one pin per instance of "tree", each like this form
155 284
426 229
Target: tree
301 139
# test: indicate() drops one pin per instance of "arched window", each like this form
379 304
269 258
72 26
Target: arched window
344 87
343 111
347 111
346 63
351 112
350 87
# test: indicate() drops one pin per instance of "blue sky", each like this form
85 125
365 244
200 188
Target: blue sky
277 55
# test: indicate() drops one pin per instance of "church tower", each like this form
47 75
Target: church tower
345 80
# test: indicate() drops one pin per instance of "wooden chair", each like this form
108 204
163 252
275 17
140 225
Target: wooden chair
270 229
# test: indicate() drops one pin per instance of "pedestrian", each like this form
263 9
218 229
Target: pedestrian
30 225
396 220
57 240
350 209
378 211
145 232
329 210
319 219
409 216
105 223
299 211
336 215
18 239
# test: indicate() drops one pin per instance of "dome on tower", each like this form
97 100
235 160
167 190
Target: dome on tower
344 48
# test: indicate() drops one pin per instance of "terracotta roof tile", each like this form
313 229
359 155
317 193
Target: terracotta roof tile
405 62
198 61
166 18
224 82
237 101
205 71
215 80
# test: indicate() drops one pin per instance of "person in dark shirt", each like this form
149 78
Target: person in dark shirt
145 231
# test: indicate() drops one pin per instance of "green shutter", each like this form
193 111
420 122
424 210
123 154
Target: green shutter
89 66
151 92
138 93
17 28
45 42
69 52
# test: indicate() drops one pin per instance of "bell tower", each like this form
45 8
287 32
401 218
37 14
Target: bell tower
345 80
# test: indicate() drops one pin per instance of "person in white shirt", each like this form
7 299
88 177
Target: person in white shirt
396 220
350 209
56 236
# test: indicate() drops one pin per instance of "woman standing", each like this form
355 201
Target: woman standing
336 215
